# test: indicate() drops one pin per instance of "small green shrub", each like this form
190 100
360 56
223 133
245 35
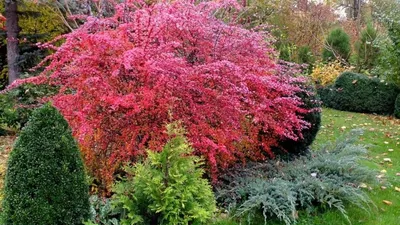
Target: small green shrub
167 188
286 52
11 116
367 51
388 64
18 104
45 181
337 46
397 107
330 178
311 101
305 55
359 93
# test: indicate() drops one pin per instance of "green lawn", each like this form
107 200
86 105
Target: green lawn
381 134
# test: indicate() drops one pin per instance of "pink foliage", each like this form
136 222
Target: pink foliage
124 78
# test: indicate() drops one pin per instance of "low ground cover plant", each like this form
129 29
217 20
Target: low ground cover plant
329 178
102 212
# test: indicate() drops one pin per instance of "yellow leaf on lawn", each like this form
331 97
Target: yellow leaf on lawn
387 202
387 160
362 185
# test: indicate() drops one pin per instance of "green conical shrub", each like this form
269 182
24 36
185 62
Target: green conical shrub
167 188
337 45
45 180
367 51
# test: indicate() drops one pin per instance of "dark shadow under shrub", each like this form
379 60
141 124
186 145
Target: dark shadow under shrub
289 148
397 107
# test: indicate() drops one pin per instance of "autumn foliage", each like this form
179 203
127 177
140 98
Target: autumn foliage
122 79
326 74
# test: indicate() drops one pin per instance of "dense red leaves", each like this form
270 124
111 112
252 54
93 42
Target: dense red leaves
2 22
124 78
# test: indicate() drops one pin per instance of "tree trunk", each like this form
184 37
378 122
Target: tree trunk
12 40
356 9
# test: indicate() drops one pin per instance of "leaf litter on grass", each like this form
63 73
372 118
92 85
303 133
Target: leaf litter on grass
381 136
6 143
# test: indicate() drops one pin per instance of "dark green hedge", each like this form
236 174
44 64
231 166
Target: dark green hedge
45 181
359 93
397 107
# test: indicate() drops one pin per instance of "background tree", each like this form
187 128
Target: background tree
337 46
74 12
38 23
352 7
387 12
13 29
366 49
292 23
3 54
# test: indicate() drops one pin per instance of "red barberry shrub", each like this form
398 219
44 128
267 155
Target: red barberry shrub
122 79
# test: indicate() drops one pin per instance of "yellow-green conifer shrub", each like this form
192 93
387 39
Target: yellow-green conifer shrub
167 188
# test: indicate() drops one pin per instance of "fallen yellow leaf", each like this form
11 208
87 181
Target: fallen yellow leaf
397 189
387 160
363 185
387 202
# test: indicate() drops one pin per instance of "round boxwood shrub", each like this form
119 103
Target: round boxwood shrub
45 181
359 93
397 107
300 147
324 94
